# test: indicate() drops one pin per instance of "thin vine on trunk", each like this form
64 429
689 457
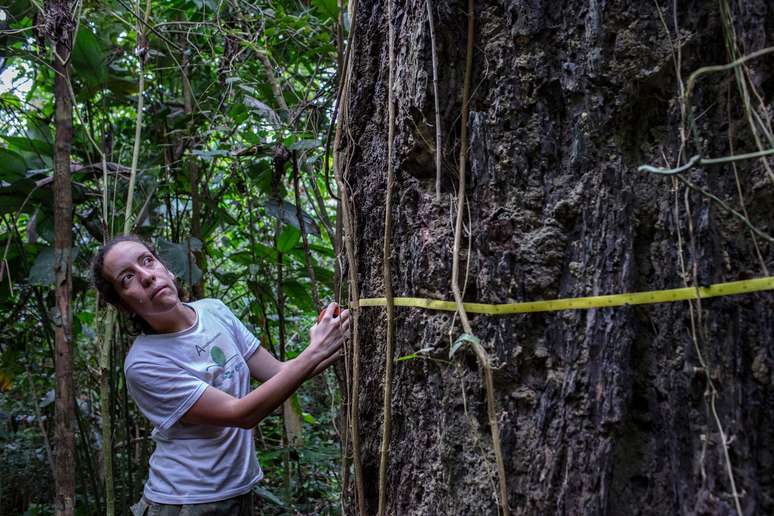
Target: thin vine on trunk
481 353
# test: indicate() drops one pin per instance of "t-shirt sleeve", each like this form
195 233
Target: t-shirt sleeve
164 393
244 338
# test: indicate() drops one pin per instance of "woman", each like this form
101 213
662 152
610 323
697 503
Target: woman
189 373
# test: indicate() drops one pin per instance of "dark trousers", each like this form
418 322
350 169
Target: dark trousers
238 506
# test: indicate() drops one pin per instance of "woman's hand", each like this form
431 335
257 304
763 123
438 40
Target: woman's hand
327 335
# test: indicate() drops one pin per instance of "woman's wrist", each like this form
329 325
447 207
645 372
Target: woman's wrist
309 358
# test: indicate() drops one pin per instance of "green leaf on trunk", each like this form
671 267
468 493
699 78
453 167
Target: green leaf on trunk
461 340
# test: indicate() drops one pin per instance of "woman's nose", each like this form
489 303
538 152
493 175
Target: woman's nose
146 276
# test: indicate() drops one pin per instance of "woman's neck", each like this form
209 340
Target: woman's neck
178 318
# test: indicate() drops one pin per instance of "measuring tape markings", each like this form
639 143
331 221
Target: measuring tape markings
584 303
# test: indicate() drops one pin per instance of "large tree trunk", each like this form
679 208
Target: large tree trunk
60 26
603 411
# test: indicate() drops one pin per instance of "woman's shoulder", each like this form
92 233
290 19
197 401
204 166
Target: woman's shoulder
214 307
209 303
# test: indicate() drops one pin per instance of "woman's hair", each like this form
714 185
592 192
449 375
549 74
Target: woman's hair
105 287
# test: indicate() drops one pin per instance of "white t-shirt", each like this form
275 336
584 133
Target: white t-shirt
166 374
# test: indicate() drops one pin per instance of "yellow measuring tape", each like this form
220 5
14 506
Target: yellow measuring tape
582 303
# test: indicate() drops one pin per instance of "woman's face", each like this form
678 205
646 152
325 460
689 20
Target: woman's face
143 283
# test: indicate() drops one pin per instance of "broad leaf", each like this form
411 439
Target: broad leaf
24 194
299 295
34 146
305 144
89 59
461 340
263 109
288 238
327 7
286 212
42 271
12 165
179 261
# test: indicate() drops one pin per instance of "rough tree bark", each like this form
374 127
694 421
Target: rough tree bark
59 27
601 411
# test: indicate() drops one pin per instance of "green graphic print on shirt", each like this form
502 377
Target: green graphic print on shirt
219 360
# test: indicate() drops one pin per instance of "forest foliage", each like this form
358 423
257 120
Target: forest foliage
232 151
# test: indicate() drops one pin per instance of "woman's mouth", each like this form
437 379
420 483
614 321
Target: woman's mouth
155 292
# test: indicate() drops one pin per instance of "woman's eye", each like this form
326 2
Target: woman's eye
148 260
125 279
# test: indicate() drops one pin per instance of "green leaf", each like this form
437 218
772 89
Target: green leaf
18 9
34 146
13 197
298 294
461 340
412 356
42 271
305 144
194 244
288 238
12 165
322 249
121 86
88 58
263 181
209 154
9 100
327 7
286 212
177 258
47 399
262 108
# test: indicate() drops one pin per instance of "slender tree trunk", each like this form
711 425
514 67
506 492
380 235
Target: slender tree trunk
106 325
60 27
194 178
654 409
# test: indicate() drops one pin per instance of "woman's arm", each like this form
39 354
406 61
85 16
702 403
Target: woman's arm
218 408
263 366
